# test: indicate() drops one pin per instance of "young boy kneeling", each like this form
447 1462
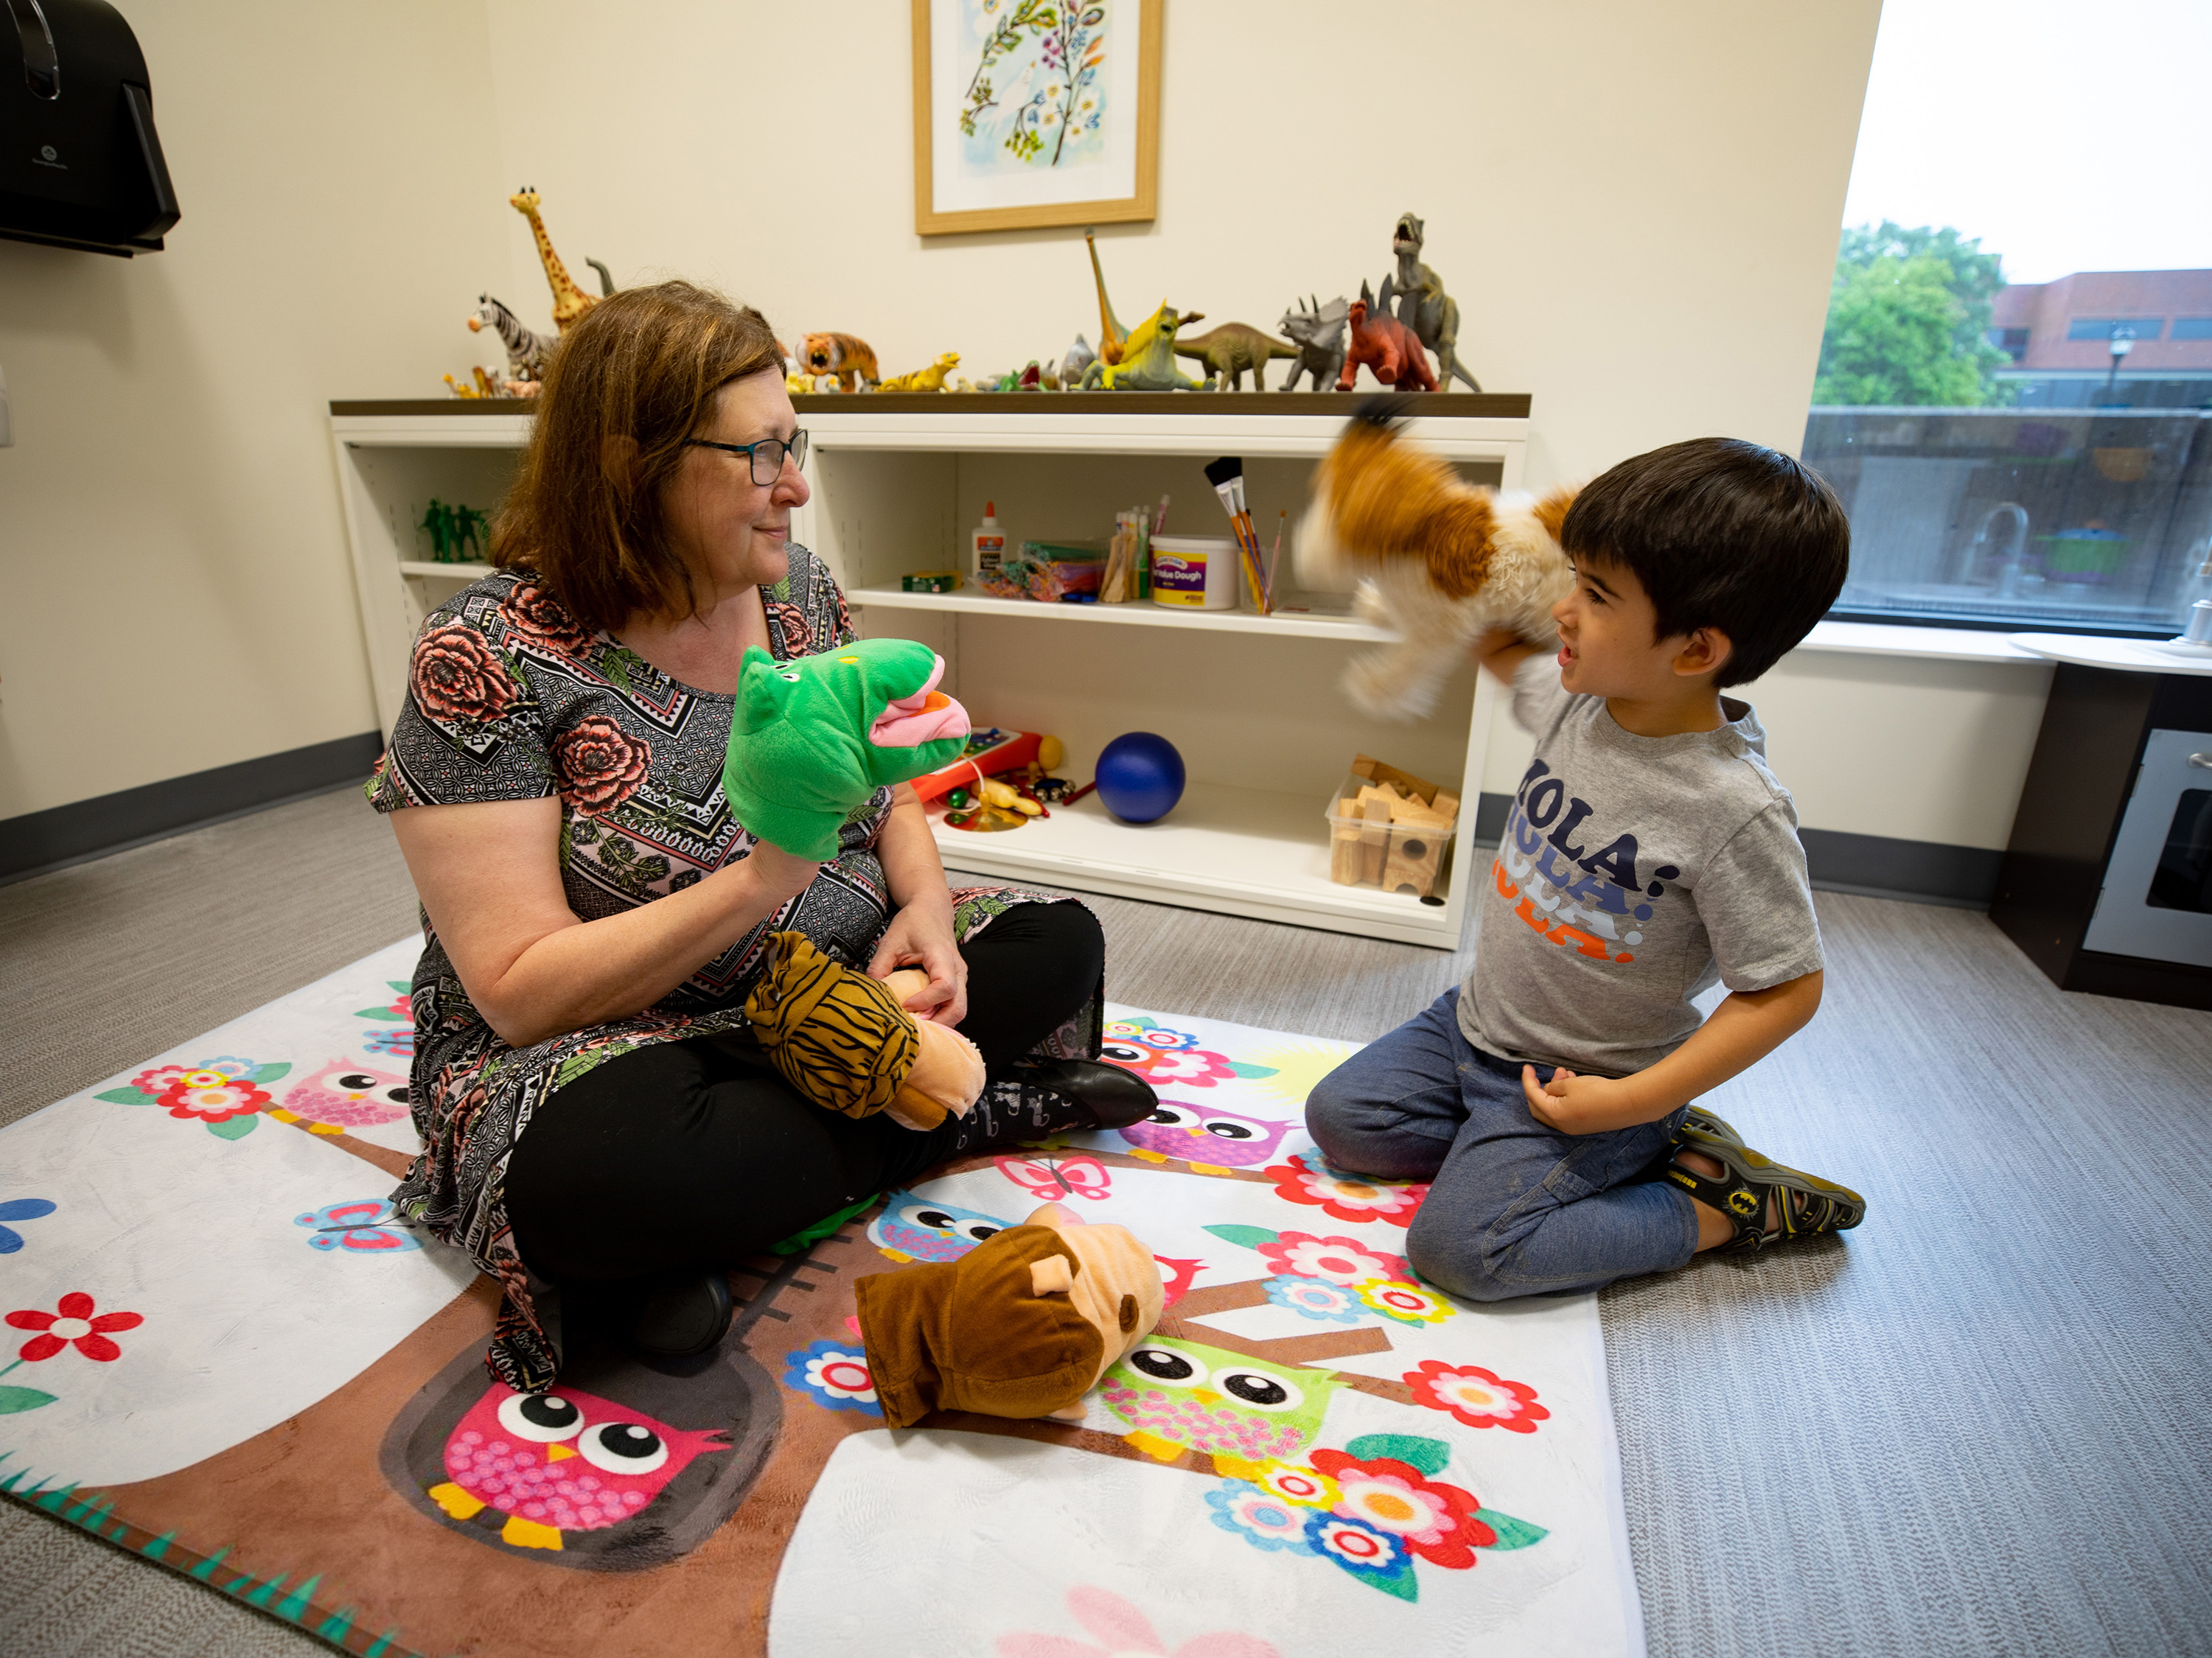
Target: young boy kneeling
1650 851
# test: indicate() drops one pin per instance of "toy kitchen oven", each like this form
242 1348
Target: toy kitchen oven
2108 881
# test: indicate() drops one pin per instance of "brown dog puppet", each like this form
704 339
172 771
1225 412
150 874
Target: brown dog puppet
1022 1326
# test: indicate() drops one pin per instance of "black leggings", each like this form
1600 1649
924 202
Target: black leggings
696 1155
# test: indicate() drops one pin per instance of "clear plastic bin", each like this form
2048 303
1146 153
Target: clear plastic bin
1391 830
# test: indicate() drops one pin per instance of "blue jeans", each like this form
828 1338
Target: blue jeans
1514 1208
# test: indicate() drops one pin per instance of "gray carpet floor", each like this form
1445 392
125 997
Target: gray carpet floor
1980 1425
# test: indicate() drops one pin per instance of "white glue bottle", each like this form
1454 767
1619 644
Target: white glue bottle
989 544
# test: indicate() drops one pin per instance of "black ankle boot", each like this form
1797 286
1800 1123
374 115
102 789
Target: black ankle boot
681 1314
1112 1097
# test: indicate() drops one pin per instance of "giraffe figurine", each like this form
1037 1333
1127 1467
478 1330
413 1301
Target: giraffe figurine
570 301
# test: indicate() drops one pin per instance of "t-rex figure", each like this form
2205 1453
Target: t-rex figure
1319 330
1230 350
1113 338
1423 305
1388 347
1148 360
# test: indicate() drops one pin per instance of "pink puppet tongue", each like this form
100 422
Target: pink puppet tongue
925 717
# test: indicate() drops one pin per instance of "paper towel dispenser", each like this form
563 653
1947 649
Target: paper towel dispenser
80 163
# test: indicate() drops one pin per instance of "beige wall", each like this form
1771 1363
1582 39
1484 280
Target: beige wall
173 567
1636 208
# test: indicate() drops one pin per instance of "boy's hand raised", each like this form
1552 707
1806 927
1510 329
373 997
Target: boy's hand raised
1574 1104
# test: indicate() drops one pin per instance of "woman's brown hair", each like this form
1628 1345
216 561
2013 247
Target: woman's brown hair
640 369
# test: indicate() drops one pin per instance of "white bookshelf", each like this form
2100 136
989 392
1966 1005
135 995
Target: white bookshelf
1252 703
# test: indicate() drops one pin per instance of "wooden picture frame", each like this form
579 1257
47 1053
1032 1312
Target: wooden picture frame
963 181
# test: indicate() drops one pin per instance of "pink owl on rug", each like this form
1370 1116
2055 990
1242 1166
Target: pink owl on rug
345 1094
561 1461
1206 1134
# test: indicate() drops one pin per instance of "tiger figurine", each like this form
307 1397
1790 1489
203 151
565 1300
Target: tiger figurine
851 359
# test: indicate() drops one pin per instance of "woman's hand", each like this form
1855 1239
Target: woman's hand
920 935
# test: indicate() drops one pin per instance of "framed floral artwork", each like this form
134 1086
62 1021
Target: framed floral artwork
1029 112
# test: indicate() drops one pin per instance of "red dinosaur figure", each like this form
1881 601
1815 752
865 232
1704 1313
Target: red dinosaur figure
1388 347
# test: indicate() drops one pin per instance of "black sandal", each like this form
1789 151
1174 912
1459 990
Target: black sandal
1805 1206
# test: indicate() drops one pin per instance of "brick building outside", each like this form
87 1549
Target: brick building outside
2059 336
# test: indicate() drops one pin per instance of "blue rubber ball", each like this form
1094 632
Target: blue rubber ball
1140 777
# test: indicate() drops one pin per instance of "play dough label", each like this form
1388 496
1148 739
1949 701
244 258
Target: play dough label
1179 578
1194 572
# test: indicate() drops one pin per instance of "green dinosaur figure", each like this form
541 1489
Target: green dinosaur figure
1229 350
1148 363
813 738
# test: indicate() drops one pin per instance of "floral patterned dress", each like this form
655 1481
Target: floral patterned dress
510 698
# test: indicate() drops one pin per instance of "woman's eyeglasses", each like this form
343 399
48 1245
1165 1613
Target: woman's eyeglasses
766 456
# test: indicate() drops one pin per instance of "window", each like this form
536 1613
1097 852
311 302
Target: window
2003 464
2103 328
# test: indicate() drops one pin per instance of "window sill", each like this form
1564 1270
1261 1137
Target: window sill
1909 638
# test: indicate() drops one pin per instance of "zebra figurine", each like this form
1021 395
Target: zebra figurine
527 353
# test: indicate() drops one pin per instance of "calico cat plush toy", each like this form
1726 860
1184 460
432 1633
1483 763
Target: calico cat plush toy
1436 561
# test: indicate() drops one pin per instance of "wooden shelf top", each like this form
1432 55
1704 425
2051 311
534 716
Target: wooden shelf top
1502 405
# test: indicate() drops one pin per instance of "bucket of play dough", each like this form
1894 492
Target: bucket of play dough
1195 573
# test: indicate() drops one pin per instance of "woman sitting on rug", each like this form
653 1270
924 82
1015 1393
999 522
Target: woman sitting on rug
591 1110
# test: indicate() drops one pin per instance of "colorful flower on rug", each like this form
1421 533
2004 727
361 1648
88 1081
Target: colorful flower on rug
1435 1521
20 1209
1345 1196
835 1375
1126 1632
402 1007
1295 1483
399 1043
1409 1303
1317 1298
1259 1516
1341 1260
1476 1397
360 1226
1206 1134
1375 1558
598 764
1145 1034
1373 1509
224 1092
75 1323
459 680
1053 1177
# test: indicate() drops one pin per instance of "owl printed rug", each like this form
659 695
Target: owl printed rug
221 1354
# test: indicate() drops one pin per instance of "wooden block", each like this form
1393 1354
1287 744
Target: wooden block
1414 863
1375 842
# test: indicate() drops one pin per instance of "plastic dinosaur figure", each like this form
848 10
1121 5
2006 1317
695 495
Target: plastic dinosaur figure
1148 362
1319 330
931 379
1113 338
1423 305
1229 350
813 738
1388 347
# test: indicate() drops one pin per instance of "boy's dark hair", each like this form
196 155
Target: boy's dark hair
1720 533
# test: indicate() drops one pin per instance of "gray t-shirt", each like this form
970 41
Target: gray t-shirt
1633 873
